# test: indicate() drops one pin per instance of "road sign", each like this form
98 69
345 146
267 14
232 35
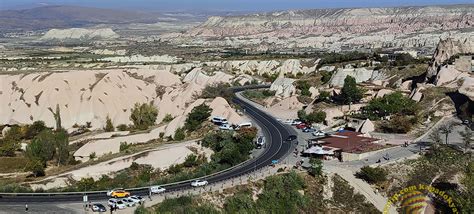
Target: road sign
84 198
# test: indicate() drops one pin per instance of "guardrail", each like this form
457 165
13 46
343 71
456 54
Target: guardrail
146 188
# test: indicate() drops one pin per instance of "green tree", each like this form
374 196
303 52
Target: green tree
240 203
302 115
372 175
316 168
143 116
42 147
466 138
394 103
325 76
324 95
109 126
124 146
179 134
304 86
316 117
35 129
62 146
197 116
350 93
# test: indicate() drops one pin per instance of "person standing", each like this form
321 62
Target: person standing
26 208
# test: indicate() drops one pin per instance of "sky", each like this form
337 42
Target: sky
224 5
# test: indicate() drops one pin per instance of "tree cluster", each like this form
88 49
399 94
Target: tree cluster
143 116
197 116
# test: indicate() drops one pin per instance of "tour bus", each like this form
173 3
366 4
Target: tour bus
243 125
219 120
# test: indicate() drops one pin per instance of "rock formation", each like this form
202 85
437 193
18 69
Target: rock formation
283 87
79 34
445 50
360 74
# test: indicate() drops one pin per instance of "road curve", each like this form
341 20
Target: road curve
276 149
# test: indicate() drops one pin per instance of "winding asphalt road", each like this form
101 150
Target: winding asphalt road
276 149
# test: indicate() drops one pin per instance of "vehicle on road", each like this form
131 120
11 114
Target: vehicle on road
98 208
137 199
199 183
157 189
319 133
118 193
244 125
219 120
260 142
225 127
309 129
291 138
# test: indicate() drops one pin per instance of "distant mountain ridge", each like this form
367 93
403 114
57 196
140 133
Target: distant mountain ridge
48 17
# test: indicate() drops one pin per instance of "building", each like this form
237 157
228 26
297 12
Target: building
345 145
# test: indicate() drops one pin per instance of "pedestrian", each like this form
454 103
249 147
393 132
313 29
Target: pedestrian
26 207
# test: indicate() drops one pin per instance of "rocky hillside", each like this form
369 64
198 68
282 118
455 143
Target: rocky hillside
333 28
79 34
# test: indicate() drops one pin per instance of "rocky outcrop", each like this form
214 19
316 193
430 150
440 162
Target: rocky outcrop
467 87
445 50
332 29
80 34
283 87
260 67
360 74
366 127
140 58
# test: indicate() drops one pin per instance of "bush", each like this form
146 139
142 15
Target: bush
217 90
122 127
124 146
197 116
372 175
302 115
92 156
168 118
179 134
143 116
316 168
191 160
109 126
324 95
35 129
36 167
326 76
304 86
8 147
316 117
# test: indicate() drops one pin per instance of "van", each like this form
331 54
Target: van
244 125
260 142
219 120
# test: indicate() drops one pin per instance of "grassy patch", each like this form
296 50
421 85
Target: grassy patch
12 164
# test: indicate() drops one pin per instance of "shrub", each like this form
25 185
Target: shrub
316 117
36 167
198 115
8 147
302 115
191 160
372 175
92 156
325 76
168 118
109 126
143 116
124 146
122 127
324 95
316 168
175 169
398 124
304 86
179 134
217 90
162 134
35 129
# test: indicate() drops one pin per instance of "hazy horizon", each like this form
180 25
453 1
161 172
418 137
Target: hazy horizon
223 5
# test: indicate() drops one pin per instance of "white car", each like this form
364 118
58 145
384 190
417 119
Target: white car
319 133
225 127
129 202
136 199
157 189
295 122
117 203
219 120
198 183
289 121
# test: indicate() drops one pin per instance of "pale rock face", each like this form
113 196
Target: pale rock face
331 113
467 87
360 74
289 66
448 74
406 85
286 108
5 130
80 34
109 52
382 92
314 92
448 48
416 94
283 87
327 68
366 127
140 58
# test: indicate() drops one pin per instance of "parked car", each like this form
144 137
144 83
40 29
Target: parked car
225 127
157 189
302 126
137 199
296 122
219 120
289 121
98 208
117 203
309 129
199 183
291 138
129 202
118 193
244 125
319 133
